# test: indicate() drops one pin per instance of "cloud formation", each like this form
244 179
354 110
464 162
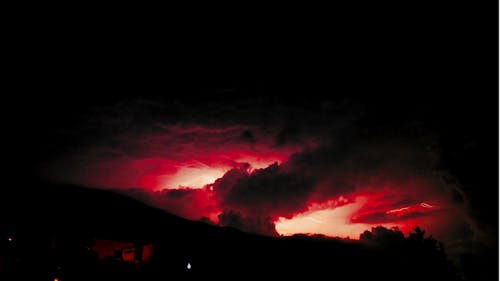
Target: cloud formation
252 164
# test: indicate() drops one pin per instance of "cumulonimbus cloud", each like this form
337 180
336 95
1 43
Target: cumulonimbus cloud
248 169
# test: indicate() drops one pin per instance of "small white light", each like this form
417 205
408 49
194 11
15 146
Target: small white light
188 265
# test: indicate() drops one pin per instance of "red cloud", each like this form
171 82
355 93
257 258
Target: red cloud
242 176
171 157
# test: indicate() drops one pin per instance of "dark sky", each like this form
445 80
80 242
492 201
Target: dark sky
396 104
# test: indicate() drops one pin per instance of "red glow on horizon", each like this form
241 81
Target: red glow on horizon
330 222
338 221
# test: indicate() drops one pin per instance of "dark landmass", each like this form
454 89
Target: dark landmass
55 235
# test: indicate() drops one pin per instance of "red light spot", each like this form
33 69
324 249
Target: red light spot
397 210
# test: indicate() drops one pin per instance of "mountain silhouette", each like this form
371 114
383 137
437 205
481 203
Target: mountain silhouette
54 230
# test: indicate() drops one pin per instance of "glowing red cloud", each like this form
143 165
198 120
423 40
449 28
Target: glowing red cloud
176 156
209 167
253 184
345 220
330 221
190 203
193 177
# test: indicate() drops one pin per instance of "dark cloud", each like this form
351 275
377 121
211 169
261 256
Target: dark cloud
248 136
269 191
399 172
393 173
253 224
288 135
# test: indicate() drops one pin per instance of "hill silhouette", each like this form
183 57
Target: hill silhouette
53 229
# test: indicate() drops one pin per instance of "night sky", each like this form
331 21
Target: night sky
331 127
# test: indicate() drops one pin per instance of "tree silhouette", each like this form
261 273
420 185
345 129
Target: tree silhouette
383 236
422 256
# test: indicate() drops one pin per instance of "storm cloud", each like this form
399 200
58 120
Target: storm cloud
251 163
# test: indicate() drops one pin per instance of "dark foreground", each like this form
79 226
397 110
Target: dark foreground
55 238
